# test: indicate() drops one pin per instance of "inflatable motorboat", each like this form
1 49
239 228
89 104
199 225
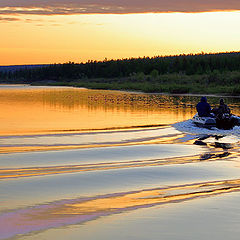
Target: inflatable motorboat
227 121
207 122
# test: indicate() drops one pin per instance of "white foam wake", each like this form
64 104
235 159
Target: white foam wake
189 127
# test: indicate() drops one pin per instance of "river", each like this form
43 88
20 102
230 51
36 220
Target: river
96 164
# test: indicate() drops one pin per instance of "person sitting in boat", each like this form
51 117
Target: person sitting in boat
223 108
203 108
223 116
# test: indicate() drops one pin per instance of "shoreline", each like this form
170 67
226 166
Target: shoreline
73 85
136 91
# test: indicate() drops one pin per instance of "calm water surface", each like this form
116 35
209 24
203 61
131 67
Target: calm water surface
78 163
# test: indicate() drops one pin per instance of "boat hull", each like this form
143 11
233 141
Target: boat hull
207 122
228 122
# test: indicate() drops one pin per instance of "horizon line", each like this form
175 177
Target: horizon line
117 59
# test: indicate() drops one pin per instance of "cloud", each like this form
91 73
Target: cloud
66 7
8 19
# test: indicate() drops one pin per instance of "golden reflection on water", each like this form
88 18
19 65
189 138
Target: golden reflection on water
31 110
41 109
75 211
90 208
150 197
41 171
26 148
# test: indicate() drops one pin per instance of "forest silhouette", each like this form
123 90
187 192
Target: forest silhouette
193 73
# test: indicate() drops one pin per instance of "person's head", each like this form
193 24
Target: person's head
203 99
221 101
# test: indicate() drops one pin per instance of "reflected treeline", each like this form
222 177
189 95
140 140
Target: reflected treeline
70 98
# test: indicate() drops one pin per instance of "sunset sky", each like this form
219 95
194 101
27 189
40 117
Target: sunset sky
57 31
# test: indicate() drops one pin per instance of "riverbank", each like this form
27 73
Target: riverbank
220 84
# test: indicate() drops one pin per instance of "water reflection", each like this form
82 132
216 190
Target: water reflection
127 155
28 110
73 211
42 109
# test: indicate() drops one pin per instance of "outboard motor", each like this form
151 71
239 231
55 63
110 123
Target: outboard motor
225 121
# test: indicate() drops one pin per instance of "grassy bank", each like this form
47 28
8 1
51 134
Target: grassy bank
214 83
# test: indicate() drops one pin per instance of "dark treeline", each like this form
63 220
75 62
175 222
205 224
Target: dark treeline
108 69
13 68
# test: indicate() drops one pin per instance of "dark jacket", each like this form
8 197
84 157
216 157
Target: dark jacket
223 108
203 108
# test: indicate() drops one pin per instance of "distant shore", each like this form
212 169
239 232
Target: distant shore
182 74
142 86
170 84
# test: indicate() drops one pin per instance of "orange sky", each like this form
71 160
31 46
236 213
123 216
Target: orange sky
46 38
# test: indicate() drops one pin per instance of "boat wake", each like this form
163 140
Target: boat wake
189 127
76 211
104 138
